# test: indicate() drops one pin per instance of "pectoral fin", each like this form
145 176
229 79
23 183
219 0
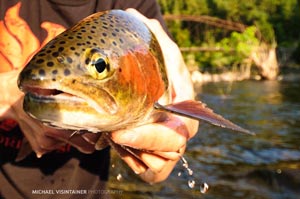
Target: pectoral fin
199 111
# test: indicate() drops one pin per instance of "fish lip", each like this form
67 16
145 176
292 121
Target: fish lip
51 95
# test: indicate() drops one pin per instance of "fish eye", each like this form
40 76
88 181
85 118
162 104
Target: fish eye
101 65
97 64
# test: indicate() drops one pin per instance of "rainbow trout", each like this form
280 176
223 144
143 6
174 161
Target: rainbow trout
106 73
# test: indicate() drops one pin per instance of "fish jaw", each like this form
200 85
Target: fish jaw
66 108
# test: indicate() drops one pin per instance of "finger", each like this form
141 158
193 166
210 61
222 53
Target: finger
169 135
40 143
152 177
168 155
132 161
152 161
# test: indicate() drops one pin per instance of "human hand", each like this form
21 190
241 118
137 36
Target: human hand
152 150
42 139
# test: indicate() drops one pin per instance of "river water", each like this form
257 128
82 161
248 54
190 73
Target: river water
234 165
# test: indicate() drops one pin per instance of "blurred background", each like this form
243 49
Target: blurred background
244 57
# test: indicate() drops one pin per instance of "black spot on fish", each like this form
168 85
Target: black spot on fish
105 27
60 49
53 79
94 50
95 44
72 48
120 70
78 44
67 72
62 42
41 54
87 61
114 43
50 64
117 30
48 51
79 37
52 46
77 54
104 34
92 31
79 33
94 27
42 72
88 42
83 30
73 81
90 37
113 34
55 54
69 60
39 61
102 41
70 37
54 72
121 40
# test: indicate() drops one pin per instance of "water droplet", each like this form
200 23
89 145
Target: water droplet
204 187
191 183
190 171
179 174
113 166
119 177
278 171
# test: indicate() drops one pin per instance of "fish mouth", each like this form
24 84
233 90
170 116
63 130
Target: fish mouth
50 95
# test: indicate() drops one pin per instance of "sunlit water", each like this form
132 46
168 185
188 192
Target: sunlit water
234 165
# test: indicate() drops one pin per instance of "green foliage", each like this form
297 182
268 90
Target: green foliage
276 22
234 50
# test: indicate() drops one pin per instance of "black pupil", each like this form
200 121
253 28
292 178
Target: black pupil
100 65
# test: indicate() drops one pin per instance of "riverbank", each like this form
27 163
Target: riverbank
201 78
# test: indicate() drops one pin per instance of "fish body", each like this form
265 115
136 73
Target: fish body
106 73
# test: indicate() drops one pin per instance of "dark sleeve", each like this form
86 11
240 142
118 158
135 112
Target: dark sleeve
149 8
